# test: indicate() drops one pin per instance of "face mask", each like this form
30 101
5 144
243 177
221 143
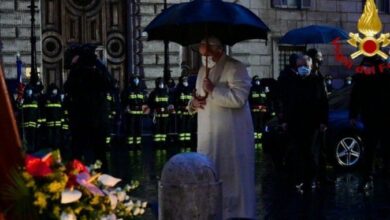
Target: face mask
266 90
54 92
161 86
257 82
304 70
185 84
62 97
29 92
329 82
349 82
136 81
210 61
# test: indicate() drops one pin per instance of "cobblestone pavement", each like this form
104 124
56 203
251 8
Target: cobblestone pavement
275 199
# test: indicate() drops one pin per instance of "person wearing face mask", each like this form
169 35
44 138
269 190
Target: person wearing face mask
158 103
172 119
225 129
112 97
29 118
53 117
134 107
329 82
305 111
183 95
348 81
259 108
317 59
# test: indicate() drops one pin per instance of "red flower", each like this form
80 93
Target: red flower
73 168
76 167
39 167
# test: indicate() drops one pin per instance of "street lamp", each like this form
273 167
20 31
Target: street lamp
167 71
33 40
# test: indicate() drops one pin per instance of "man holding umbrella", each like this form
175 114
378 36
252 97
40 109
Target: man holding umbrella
225 131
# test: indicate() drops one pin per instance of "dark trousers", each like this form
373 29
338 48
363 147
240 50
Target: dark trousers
319 155
160 130
372 137
133 129
302 157
258 125
54 137
89 145
30 138
184 130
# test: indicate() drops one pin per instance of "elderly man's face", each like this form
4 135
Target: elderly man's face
209 50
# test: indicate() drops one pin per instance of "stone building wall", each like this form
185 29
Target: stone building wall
15 25
262 58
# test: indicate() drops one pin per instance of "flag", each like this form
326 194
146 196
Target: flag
20 86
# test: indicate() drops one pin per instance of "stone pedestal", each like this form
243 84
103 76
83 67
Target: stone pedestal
189 189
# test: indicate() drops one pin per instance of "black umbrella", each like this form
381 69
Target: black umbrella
190 22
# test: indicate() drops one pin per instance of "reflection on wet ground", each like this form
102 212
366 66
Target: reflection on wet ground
275 198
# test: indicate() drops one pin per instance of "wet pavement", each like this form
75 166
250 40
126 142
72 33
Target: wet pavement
276 199
341 200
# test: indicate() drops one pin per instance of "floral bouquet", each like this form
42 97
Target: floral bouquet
45 188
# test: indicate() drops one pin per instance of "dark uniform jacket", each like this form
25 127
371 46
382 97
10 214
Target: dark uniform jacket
304 101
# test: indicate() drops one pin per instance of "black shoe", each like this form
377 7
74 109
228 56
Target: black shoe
365 185
299 188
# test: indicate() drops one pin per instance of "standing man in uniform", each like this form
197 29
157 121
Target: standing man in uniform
259 108
182 96
53 116
134 105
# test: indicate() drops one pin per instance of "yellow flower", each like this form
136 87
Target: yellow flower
55 187
30 184
40 200
56 211
26 176
95 200
78 210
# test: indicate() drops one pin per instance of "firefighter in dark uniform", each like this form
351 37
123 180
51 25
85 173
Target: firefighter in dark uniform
172 121
328 83
113 113
259 108
182 96
159 105
66 137
29 118
53 116
134 105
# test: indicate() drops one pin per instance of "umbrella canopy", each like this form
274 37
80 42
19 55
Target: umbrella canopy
188 23
314 34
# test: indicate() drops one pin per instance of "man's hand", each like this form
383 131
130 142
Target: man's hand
195 104
208 86
145 109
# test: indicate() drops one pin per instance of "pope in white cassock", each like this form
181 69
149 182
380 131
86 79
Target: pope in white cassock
225 130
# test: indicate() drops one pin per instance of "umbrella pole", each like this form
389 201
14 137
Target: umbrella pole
199 97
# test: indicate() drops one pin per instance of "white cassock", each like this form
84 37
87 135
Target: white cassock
225 135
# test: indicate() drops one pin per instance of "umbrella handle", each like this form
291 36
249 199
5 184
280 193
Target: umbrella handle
199 97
